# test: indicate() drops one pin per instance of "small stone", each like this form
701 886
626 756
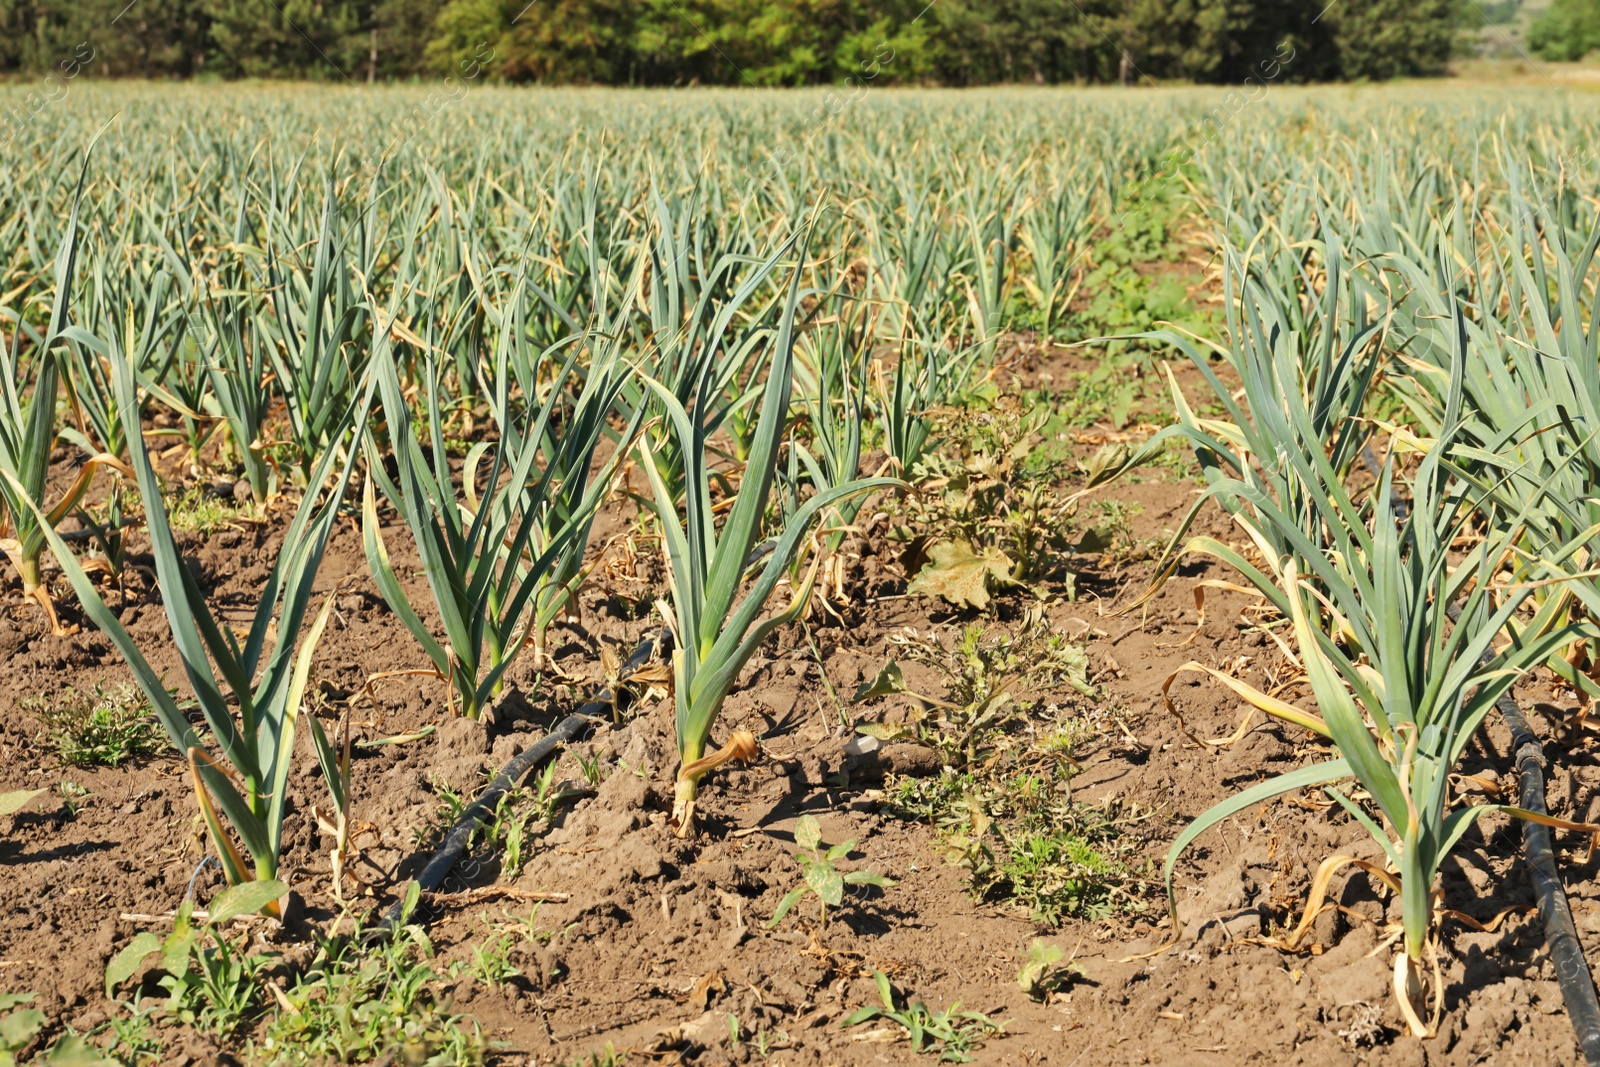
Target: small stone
862 745
912 760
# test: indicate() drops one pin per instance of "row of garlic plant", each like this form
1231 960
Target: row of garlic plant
1384 306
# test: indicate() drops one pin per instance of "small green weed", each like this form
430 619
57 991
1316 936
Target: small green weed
199 510
1115 540
1021 837
952 1034
820 875
985 678
1117 297
134 1041
349 1005
20 1025
376 1006
491 960
211 983
1003 807
1043 973
108 726
990 509
73 796
510 825
1108 394
766 1043
517 812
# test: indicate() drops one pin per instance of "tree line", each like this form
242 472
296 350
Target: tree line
731 42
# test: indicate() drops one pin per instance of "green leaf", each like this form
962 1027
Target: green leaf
807 834
1316 774
960 575
182 922
861 1015
11 1000
1095 540
20 1027
827 883
868 878
245 899
413 894
14 801
125 963
912 1021
1108 462
176 950
885 991
1042 958
883 731
790 899
75 1051
839 851
888 681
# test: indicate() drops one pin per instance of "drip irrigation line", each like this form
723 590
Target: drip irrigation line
455 843
1560 933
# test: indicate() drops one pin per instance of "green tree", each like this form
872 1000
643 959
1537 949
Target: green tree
397 35
1382 39
287 38
151 39
983 41
1226 41
1566 30
554 41
755 42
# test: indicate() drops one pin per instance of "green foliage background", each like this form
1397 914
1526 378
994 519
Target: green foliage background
1566 30
734 42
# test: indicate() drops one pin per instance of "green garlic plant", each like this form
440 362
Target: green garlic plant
247 788
715 636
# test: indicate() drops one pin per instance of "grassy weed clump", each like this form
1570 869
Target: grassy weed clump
366 1007
1003 806
952 1033
379 1003
984 710
995 506
1021 837
201 511
1136 280
106 727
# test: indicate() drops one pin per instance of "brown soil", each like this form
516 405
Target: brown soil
658 940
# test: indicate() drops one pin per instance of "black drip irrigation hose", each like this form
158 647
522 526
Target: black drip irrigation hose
455 843
1560 935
